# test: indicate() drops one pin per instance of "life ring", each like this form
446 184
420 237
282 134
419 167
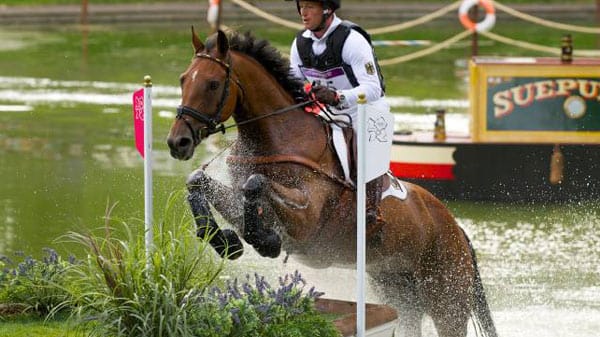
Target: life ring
483 26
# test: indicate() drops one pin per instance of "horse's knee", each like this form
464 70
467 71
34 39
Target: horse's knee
264 240
254 186
195 179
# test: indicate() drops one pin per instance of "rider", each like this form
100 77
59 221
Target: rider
337 58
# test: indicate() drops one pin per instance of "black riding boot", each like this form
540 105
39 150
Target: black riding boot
373 199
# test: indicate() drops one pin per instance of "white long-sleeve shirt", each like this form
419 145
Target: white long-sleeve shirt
356 52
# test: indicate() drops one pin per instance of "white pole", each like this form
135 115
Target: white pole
148 167
360 217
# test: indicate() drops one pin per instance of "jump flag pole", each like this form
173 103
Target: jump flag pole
148 209
360 217
142 119
375 131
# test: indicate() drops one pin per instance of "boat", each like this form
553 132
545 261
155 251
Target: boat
534 135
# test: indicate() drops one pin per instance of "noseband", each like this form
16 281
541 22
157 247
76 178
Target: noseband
213 122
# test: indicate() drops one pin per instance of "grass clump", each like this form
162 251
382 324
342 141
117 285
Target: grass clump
28 285
177 292
123 293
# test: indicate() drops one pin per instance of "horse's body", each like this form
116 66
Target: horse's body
287 190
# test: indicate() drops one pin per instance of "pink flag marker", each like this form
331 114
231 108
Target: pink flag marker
138 120
142 125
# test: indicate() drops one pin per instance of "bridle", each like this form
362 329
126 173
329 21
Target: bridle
213 122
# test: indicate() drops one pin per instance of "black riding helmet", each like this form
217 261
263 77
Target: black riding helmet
332 5
327 4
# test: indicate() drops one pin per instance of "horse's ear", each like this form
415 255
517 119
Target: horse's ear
198 45
222 42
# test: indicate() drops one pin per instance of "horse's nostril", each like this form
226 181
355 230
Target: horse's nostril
184 142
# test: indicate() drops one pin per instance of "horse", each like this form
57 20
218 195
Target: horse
287 190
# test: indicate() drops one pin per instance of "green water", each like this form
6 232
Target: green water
66 152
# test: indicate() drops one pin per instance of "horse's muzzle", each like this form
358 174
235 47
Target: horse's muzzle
181 147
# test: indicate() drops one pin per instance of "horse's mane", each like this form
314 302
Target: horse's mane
270 58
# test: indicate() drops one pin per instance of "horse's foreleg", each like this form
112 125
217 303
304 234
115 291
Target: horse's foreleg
264 240
226 241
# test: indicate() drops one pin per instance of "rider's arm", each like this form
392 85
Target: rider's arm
295 62
357 52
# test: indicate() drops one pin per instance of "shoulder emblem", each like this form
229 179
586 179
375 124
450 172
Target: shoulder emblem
370 68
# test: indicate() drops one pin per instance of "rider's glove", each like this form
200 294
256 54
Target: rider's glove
326 95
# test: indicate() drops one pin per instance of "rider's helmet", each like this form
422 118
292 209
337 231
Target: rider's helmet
333 5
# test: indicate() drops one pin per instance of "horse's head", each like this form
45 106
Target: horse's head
208 96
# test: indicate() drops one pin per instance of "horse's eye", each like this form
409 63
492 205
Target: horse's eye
213 85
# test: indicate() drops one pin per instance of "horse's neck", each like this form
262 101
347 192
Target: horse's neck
289 132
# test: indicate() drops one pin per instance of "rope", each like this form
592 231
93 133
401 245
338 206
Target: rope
267 16
522 44
416 22
547 23
427 51
536 47
444 44
387 29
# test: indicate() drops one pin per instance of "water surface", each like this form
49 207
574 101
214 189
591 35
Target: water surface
66 152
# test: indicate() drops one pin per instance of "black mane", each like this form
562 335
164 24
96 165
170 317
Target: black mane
270 58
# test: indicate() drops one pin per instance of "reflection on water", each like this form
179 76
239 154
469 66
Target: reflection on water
45 90
72 149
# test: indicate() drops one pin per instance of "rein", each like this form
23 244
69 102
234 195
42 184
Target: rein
276 112
214 125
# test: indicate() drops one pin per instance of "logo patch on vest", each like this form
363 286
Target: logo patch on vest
370 68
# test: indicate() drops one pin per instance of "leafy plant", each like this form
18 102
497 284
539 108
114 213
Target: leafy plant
120 291
37 286
123 292
257 309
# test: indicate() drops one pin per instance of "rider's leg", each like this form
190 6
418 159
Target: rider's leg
373 187
341 149
373 198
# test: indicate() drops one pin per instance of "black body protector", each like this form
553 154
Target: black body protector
332 56
328 61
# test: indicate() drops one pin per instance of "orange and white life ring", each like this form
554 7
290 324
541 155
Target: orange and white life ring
483 26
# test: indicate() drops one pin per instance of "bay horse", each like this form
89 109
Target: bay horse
287 190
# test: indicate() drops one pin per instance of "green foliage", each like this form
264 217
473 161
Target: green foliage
117 291
36 286
125 294
177 292
257 309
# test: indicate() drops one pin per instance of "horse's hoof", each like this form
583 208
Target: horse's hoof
227 244
269 244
